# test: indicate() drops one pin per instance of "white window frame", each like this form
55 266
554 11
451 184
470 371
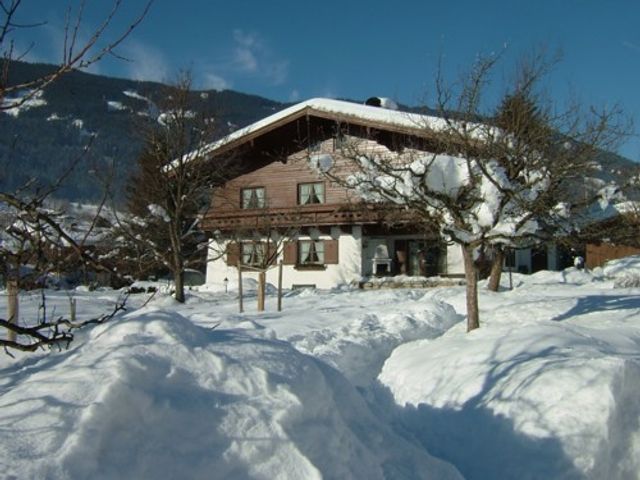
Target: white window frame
312 193
311 252
252 198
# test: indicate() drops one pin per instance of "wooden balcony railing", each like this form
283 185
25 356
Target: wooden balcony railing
302 216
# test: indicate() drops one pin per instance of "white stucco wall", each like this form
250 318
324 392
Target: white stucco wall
455 262
345 272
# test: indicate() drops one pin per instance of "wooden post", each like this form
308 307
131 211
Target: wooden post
12 299
240 288
72 309
261 288
280 286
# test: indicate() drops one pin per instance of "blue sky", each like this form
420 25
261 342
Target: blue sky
292 50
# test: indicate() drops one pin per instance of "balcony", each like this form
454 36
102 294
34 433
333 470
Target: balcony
303 216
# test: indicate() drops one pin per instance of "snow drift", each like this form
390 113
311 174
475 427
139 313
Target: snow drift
548 387
154 396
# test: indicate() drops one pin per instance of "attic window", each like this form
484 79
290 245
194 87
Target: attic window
310 193
253 197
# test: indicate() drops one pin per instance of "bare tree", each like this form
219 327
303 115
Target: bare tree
256 245
76 54
487 180
32 233
171 188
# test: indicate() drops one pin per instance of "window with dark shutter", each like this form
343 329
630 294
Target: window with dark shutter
253 253
310 252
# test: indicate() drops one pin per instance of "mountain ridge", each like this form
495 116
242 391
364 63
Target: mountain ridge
82 109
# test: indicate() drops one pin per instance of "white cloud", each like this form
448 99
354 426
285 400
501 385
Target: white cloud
252 55
294 96
631 45
245 59
146 62
213 81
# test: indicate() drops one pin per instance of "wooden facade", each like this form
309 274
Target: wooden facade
598 254
280 181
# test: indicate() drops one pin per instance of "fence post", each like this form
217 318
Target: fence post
72 309
261 288
280 286
240 288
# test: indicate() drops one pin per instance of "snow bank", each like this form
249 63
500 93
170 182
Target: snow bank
623 266
154 396
548 387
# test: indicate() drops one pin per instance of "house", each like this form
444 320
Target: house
280 205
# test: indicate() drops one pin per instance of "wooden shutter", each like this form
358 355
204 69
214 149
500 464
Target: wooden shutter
233 254
290 253
331 252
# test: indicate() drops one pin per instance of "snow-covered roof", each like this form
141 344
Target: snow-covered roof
327 107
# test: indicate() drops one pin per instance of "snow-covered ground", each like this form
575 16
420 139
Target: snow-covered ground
343 384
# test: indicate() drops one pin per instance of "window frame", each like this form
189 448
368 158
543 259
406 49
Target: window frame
261 200
322 199
318 251
257 254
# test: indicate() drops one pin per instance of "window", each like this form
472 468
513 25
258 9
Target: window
252 254
310 193
253 197
311 252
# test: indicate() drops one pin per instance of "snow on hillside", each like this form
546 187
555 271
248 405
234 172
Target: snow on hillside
21 102
341 384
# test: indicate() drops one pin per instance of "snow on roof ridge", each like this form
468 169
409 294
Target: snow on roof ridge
331 105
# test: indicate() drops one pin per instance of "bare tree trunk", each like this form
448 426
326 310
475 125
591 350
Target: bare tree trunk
13 305
261 290
471 276
496 269
178 279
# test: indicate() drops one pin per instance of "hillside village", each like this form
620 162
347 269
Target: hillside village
202 283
